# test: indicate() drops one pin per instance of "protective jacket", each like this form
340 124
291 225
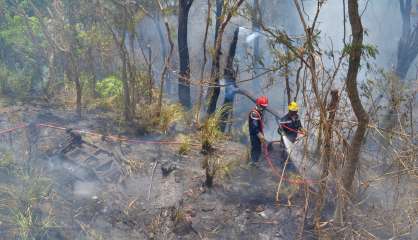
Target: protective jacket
256 126
255 122
290 126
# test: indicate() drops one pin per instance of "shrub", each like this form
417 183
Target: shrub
185 144
110 93
109 87
170 114
150 119
210 131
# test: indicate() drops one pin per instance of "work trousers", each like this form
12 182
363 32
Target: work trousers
255 148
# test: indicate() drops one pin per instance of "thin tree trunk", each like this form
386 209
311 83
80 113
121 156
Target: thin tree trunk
78 94
184 79
215 90
230 78
286 76
407 52
150 75
163 46
160 32
326 155
408 43
126 95
255 22
166 65
124 56
92 70
72 57
205 59
351 81
50 85
218 20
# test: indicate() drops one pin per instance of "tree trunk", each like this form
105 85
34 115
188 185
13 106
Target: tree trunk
184 78
163 47
126 95
286 77
229 76
218 13
160 32
255 22
408 44
79 93
326 155
165 68
73 59
150 75
124 57
215 90
50 84
205 59
92 69
351 81
407 52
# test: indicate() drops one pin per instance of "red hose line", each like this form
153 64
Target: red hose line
13 129
279 175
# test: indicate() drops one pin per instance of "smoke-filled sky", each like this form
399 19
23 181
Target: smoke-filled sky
381 20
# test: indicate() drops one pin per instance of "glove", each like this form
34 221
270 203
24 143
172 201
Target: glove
280 131
303 132
261 137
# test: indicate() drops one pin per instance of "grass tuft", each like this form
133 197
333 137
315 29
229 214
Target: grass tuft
185 145
210 131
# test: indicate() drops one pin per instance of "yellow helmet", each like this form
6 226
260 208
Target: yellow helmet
293 106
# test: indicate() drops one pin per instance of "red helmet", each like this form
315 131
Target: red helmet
262 101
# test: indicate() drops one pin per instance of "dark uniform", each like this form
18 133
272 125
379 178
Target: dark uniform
255 124
290 126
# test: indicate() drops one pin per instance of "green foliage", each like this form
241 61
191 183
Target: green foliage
368 50
15 82
20 40
14 32
110 92
109 87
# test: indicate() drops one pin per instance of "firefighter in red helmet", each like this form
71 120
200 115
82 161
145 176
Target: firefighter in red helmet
256 127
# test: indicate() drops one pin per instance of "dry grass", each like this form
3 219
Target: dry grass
152 120
7 162
185 145
210 131
19 207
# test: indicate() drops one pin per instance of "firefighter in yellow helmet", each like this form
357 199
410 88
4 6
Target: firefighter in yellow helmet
290 124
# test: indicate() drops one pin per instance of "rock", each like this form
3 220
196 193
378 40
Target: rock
188 209
167 168
208 207
262 214
183 228
259 209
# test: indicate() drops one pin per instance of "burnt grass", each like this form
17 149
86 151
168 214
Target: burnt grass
111 190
